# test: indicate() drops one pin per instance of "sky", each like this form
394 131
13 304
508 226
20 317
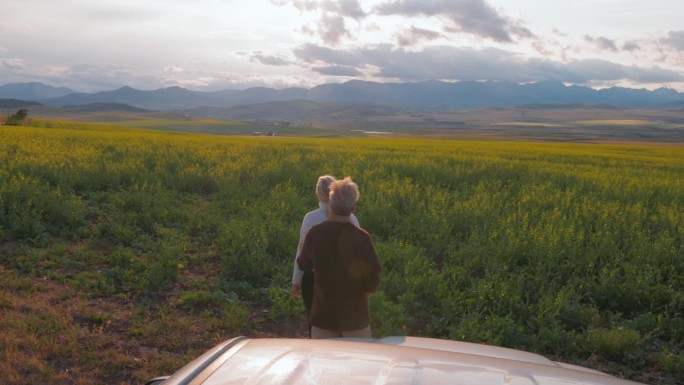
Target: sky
210 45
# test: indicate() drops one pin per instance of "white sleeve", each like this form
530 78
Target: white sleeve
296 273
354 220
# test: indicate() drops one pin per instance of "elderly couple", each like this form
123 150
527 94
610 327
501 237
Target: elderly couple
342 254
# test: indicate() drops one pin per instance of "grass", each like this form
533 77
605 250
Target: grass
618 122
126 252
531 124
54 333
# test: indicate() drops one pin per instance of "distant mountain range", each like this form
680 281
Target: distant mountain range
429 95
32 91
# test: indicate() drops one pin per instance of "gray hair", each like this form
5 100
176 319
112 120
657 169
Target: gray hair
323 187
343 196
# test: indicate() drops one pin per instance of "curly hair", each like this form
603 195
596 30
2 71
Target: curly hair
343 196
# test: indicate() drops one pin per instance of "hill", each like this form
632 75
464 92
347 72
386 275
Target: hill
101 107
539 111
16 103
432 95
33 91
298 111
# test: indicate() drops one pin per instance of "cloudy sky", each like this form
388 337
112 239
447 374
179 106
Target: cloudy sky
96 45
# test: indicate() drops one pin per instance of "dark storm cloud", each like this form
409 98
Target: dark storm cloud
470 16
450 63
431 63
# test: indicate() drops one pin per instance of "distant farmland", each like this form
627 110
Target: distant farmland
584 123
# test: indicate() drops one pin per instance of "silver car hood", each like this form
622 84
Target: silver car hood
390 360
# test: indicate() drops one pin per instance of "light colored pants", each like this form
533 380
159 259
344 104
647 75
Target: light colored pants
323 333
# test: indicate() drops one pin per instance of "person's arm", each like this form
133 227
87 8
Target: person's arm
297 274
354 220
305 259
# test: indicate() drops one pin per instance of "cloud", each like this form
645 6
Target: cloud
110 76
270 60
674 39
602 43
602 70
12 64
440 62
10 28
338 71
415 35
312 53
458 64
347 8
174 69
631 46
350 8
470 16
332 28
475 17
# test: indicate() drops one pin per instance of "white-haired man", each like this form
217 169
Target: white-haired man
347 268
302 282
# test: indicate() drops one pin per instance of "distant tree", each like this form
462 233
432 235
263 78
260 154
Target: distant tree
18 119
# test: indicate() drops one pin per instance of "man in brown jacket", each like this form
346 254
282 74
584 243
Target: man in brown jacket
347 269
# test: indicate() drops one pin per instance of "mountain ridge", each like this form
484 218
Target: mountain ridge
432 95
32 91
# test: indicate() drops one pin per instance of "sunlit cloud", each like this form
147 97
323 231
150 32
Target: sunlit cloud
219 43
12 64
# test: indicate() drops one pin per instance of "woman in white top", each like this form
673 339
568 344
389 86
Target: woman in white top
302 283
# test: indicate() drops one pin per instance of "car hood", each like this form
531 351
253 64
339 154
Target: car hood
392 360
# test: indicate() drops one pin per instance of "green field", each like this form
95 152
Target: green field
126 252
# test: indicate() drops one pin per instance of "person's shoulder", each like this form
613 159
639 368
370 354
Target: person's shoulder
359 230
362 230
320 226
314 216
311 213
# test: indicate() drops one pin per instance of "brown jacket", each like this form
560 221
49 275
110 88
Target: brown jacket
347 268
